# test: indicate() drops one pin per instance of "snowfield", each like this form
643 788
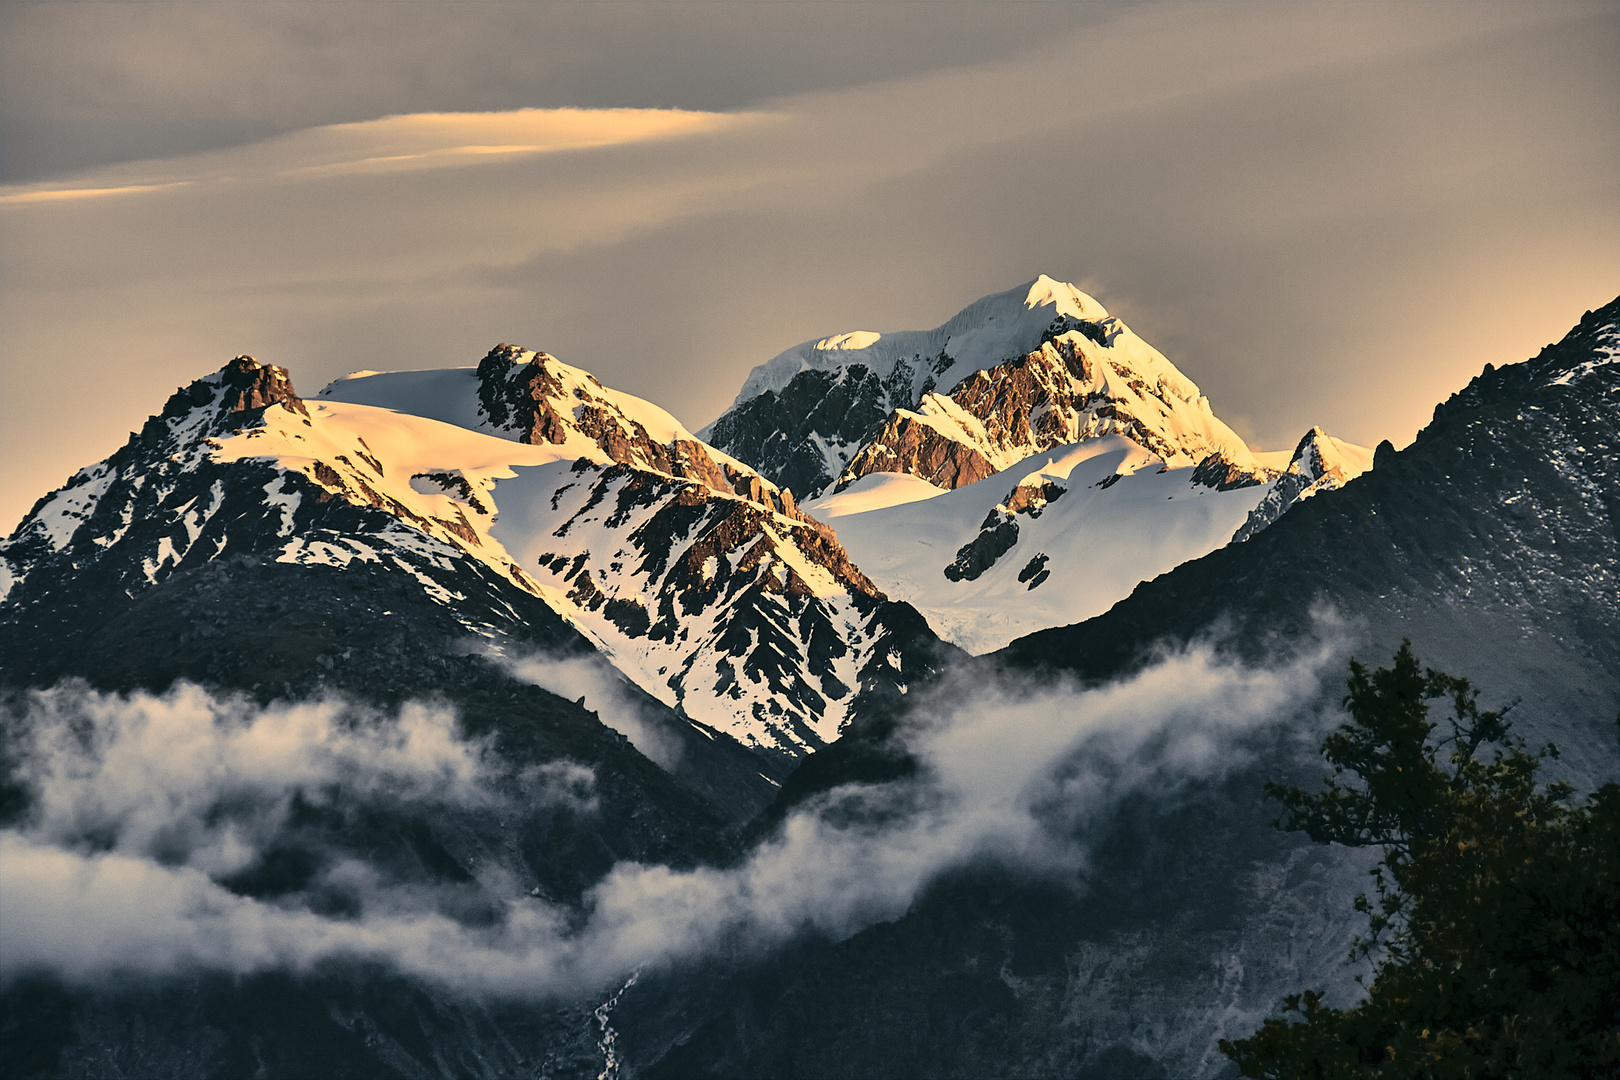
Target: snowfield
1122 517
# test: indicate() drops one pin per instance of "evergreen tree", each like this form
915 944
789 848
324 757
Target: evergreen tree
1495 922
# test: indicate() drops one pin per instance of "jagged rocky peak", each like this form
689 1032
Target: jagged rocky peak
237 462
1077 385
1318 455
1319 463
1590 349
533 398
112 499
250 385
1012 374
235 396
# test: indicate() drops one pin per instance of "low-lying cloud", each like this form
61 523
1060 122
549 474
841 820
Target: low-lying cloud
592 680
205 781
96 880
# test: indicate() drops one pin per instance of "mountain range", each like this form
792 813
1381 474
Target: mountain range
691 663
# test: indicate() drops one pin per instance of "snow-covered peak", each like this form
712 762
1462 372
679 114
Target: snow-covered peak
236 397
1072 387
1064 299
1011 374
1320 454
992 329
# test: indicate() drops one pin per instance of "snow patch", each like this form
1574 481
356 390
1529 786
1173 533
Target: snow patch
855 339
874 491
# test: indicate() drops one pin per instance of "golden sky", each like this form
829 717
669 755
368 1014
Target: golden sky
1324 214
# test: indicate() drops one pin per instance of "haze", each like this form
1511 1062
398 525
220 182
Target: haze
1323 214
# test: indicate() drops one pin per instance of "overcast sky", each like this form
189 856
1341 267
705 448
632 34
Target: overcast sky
1324 214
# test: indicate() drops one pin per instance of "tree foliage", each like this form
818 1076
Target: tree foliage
1495 918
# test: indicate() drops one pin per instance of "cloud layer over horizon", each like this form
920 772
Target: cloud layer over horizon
1324 214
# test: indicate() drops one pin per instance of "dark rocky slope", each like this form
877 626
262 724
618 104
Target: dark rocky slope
781 433
1493 541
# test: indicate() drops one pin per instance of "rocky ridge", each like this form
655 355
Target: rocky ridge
537 399
704 582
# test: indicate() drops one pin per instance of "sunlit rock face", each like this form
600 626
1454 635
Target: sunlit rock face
1070 390
539 400
1011 375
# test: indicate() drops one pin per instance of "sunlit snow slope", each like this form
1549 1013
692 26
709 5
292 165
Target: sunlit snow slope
700 580
1056 539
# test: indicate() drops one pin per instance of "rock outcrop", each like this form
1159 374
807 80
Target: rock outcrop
1067 391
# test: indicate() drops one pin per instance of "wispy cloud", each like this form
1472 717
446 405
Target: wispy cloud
395 144
592 680
39 195
209 781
